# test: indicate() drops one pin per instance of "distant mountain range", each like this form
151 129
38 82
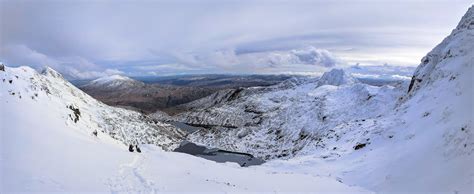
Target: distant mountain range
150 94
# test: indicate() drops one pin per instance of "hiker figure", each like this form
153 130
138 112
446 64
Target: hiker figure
138 149
130 148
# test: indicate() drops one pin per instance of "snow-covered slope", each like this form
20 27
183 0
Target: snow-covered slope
48 145
78 110
426 144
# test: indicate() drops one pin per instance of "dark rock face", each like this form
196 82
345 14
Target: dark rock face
359 146
76 113
2 67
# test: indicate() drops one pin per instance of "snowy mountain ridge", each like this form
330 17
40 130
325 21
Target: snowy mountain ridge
85 112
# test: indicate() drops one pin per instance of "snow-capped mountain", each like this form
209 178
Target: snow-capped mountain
336 77
114 82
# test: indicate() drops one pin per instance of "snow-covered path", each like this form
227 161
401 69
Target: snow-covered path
129 178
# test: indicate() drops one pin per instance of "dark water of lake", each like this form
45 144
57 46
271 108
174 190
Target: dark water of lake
218 155
214 154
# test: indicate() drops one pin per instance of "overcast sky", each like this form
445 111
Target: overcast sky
86 39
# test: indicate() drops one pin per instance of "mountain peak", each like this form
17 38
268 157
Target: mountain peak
336 77
113 78
114 81
467 21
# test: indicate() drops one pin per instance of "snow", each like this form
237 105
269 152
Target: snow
44 150
112 78
331 134
114 82
336 77
91 116
420 141
287 121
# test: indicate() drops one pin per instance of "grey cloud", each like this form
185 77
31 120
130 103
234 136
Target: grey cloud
315 56
222 36
71 67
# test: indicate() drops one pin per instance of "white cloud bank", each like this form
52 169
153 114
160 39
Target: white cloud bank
88 38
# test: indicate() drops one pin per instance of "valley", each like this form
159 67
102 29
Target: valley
149 94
